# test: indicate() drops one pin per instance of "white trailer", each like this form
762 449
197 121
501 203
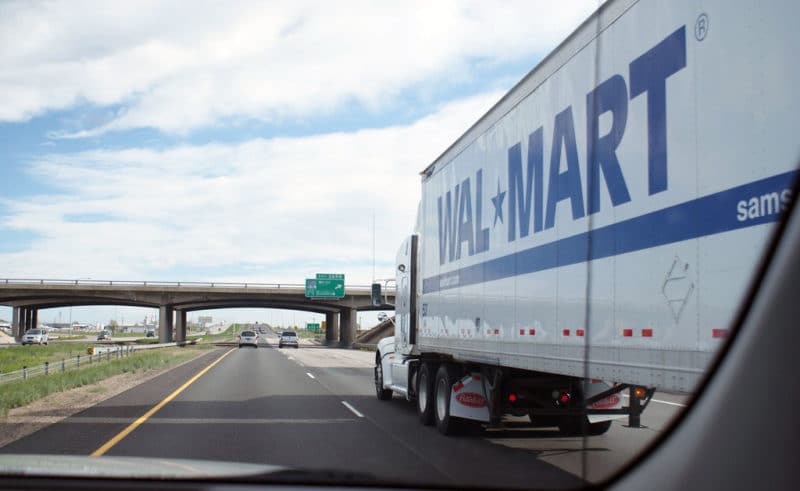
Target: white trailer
596 229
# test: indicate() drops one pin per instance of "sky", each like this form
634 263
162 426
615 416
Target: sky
239 141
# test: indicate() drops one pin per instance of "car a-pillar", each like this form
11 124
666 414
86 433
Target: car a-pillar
165 324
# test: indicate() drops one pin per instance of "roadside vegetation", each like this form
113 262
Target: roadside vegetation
146 341
302 333
15 357
72 337
22 392
225 335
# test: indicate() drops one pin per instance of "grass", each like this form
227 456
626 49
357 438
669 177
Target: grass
228 333
129 335
15 357
22 392
302 333
146 341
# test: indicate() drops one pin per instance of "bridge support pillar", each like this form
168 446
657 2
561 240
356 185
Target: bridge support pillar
164 324
26 319
180 326
347 330
331 328
34 318
16 323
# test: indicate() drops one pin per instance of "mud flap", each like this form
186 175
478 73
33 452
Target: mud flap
612 401
468 399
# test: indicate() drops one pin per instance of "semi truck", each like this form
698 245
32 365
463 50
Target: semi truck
586 242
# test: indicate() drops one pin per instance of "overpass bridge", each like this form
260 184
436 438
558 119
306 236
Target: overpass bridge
175 299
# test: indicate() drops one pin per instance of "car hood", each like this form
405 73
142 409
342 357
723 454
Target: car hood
127 467
147 468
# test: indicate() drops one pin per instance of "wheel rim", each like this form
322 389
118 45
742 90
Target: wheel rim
378 377
422 396
441 400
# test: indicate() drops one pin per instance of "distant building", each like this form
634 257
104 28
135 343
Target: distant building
59 325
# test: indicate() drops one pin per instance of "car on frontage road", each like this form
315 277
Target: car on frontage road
35 336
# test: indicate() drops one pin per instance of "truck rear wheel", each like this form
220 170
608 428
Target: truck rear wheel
425 402
446 424
383 394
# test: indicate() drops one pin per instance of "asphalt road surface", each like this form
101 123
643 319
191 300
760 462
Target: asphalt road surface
315 408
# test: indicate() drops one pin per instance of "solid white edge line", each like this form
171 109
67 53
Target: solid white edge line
352 409
662 402
310 375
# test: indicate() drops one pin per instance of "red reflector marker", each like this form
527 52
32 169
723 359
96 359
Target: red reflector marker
627 332
647 333
532 331
719 333
564 398
579 332
566 332
522 331
476 377
512 397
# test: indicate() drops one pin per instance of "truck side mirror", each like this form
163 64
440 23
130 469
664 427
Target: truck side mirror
376 294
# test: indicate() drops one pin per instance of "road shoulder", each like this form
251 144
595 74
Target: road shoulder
25 420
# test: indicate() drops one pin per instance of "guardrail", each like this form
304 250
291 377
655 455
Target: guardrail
104 353
157 284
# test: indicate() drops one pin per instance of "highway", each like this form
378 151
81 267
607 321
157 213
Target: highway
315 408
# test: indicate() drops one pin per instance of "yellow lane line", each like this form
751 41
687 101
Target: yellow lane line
122 434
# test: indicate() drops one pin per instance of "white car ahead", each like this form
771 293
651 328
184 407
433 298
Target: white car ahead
248 338
288 338
35 336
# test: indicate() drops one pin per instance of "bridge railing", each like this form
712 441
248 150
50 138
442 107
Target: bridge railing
159 284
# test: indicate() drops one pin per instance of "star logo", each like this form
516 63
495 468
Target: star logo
497 201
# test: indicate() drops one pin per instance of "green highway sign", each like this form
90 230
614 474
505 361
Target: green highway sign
324 276
325 286
312 326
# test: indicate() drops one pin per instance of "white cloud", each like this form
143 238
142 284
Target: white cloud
177 66
271 210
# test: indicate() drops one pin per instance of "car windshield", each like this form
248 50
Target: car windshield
447 244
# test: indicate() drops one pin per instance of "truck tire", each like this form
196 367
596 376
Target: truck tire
425 402
383 394
446 424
